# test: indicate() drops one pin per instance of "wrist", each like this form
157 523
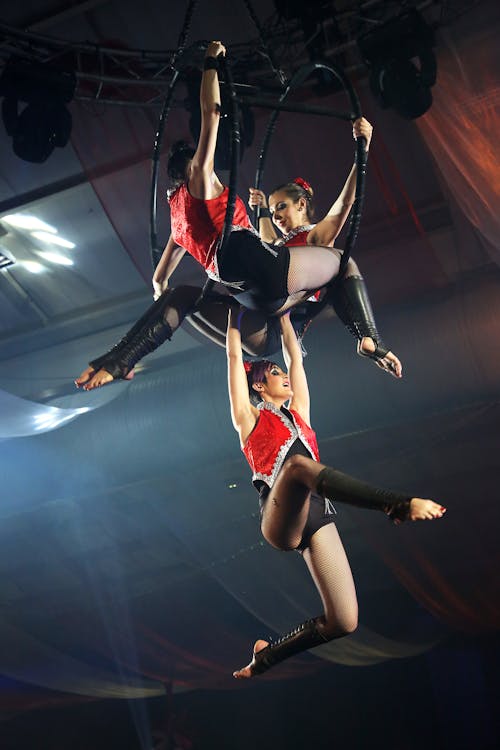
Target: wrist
264 212
210 63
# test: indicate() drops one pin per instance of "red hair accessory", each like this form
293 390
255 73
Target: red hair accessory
247 366
303 184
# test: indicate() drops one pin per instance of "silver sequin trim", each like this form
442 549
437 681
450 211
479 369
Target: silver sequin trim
294 232
295 431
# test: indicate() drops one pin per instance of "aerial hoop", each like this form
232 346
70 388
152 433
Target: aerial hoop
360 155
153 224
299 77
235 132
234 161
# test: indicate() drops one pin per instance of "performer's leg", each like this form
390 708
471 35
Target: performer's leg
327 562
350 300
287 504
285 510
283 521
260 333
289 275
311 267
274 273
159 323
330 570
95 366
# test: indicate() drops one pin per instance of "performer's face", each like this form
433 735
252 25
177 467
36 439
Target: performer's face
276 385
285 213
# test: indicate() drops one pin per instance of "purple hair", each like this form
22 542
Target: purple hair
256 373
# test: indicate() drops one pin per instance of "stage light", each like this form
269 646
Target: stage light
53 239
60 260
45 122
402 64
320 29
32 266
25 221
55 417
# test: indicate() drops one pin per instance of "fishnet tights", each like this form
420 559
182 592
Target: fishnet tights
330 570
259 332
311 267
283 521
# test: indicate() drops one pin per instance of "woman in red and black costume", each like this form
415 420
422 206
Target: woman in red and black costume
290 208
272 279
270 412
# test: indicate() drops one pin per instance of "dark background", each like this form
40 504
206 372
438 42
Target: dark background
133 578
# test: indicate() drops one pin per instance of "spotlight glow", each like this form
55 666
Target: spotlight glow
53 239
61 260
50 420
32 266
24 221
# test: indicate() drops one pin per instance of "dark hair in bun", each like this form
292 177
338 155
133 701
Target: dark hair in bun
179 156
297 189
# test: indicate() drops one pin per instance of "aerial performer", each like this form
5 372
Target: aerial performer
291 209
268 279
270 412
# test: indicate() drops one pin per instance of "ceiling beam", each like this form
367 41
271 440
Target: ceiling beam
64 15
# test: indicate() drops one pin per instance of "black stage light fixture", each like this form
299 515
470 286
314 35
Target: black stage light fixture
6 260
312 17
45 122
402 64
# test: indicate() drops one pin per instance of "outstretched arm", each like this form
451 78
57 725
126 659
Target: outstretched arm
292 354
170 259
243 414
203 182
328 229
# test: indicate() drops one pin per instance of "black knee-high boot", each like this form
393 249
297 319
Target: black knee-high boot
150 331
337 486
150 314
304 637
350 300
121 360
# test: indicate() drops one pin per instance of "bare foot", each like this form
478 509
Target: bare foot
84 377
90 379
390 363
98 379
425 510
248 670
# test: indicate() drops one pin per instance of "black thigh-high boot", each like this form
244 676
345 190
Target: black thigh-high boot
337 486
350 300
304 637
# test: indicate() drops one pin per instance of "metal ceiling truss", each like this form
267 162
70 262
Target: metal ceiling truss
140 77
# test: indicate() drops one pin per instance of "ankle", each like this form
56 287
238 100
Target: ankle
367 344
